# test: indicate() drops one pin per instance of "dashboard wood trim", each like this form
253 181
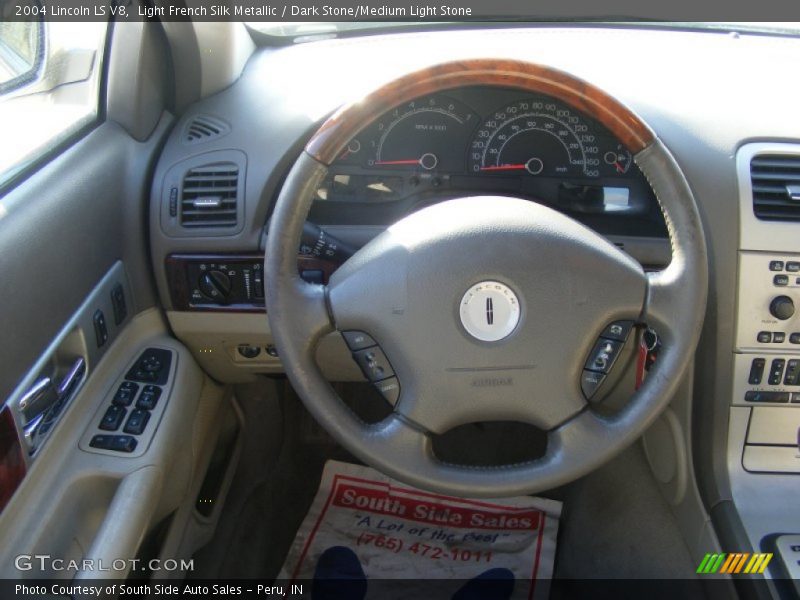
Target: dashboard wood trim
332 137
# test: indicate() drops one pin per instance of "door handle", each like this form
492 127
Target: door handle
38 399
43 403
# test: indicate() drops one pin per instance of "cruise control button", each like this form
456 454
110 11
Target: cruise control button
112 419
390 389
358 340
590 381
618 330
603 355
794 338
778 337
793 266
776 265
764 337
374 364
137 421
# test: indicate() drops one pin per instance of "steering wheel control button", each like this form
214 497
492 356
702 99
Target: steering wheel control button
793 267
389 389
776 371
112 418
358 340
781 307
590 381
603 355
764 337
618 330
374 364
778 337
489 311
756 371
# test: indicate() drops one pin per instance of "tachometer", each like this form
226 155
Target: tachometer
536 136
423 135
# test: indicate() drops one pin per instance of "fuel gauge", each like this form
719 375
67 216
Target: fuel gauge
619 158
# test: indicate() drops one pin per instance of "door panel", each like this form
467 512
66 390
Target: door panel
73 246
61 231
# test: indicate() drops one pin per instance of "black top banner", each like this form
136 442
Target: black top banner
409 11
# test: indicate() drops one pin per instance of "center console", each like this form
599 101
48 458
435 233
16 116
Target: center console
764 427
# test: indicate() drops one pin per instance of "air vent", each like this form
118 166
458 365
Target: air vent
209 195
776 187
204 128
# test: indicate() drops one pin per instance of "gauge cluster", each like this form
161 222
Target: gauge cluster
488 141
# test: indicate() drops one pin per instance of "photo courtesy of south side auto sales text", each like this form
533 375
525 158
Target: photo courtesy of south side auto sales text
150 589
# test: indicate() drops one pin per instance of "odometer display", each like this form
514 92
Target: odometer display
536 137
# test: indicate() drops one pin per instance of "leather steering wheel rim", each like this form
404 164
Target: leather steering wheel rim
300 313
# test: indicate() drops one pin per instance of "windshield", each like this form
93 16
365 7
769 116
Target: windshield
303 31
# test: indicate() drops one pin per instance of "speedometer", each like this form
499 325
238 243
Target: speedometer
536 136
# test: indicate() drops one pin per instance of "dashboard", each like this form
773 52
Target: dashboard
488 141
698 93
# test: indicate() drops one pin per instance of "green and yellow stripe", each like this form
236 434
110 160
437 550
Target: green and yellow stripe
734 562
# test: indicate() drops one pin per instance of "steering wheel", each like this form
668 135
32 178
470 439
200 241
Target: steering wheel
424 289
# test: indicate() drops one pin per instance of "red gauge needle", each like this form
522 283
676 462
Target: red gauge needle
619 167
411 161
503 168
427 161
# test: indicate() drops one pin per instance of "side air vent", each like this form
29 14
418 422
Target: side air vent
776 187
209 196
204 128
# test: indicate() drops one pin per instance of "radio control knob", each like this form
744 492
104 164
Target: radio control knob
781 307
215 286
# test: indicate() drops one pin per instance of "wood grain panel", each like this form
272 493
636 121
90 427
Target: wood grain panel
332 137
